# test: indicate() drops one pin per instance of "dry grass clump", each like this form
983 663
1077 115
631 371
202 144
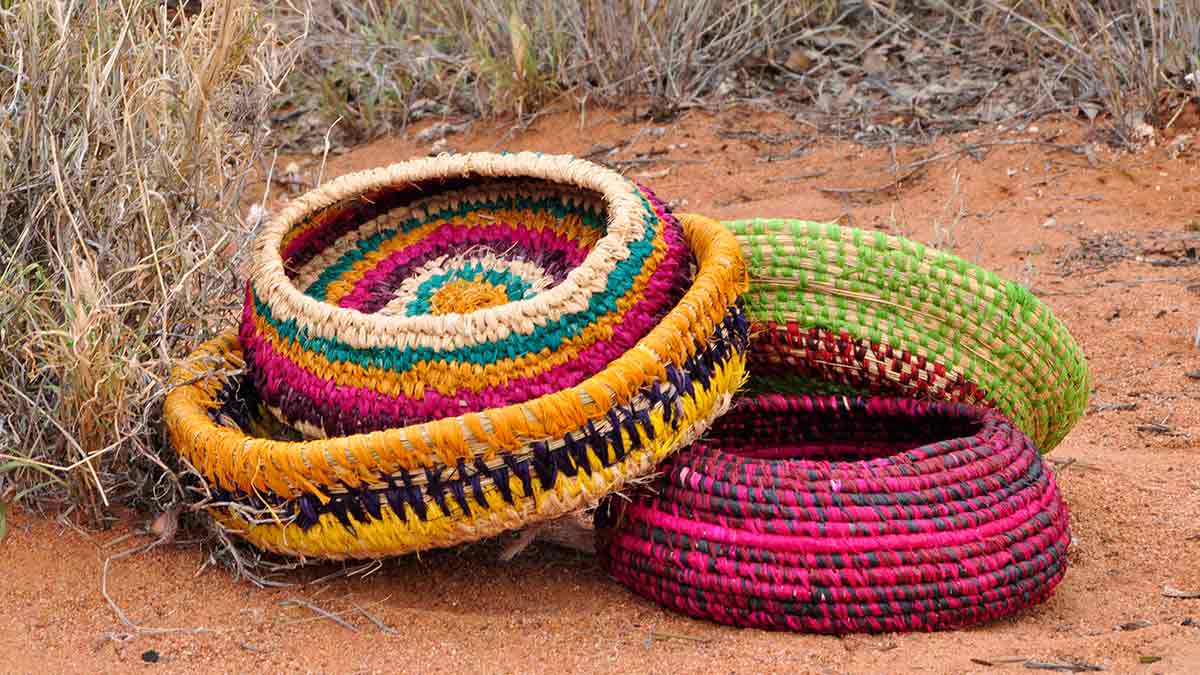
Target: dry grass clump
372 65
127 132
1139 60
375 64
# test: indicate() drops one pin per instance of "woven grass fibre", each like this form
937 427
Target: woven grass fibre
462 478
833 514
841 310
435 287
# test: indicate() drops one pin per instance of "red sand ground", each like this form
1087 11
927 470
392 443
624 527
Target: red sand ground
1134 494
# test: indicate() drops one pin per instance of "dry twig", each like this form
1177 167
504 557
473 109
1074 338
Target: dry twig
320 611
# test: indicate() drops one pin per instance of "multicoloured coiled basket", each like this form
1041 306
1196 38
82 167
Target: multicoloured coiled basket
437 287
473 475
841 310
833 514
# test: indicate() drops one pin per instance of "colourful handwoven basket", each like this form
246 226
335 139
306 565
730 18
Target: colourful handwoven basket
437 287
841 310
474 475
837 515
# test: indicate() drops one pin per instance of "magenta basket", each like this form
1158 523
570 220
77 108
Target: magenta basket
841 515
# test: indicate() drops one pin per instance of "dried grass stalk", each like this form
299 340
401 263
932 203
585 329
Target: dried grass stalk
128 132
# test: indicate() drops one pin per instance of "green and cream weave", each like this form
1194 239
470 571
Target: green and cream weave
839 309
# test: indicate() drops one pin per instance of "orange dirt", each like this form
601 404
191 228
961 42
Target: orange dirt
1133 488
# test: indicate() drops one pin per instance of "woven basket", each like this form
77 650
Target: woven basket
436 287
838 515
841 310
474 475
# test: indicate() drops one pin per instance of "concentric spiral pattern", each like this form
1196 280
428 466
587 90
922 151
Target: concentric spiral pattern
445 286
838 515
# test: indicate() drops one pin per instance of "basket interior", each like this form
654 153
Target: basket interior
835 432
452 245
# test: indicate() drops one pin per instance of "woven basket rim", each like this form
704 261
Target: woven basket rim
975 421
383 537
719 280
617 192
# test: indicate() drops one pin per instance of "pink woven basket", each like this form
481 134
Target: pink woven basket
839 515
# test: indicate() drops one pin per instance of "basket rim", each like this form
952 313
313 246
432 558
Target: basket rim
618 193
719 281
977 423
451 524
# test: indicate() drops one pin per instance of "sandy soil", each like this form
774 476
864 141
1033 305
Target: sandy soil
1102 237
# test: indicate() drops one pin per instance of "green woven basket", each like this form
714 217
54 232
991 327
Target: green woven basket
839 310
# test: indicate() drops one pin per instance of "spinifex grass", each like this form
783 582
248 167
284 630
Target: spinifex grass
376 64
127 131
380 63
1140 60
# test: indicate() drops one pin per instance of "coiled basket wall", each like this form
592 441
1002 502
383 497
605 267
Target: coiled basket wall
837 514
